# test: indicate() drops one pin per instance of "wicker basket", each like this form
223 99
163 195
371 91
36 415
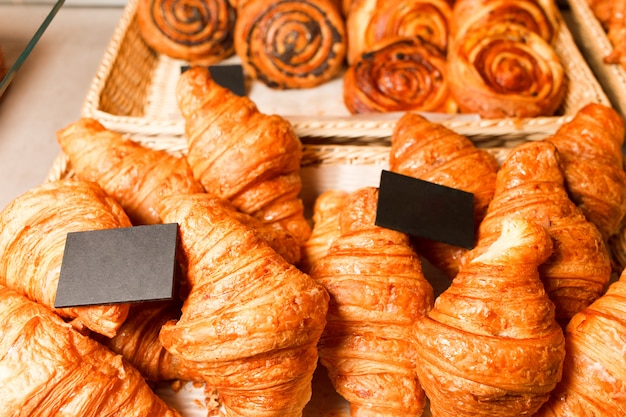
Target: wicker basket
133 91
595 45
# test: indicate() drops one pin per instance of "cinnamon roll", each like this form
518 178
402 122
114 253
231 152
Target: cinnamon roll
289 43
198 31
399 74
505 70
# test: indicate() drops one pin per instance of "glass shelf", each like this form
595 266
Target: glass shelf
18 39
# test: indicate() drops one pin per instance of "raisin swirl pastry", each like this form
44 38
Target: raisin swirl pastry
371 21
399 74
505 70
196 31
291 44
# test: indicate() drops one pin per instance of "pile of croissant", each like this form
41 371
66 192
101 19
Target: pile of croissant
612 16
494 58
527 325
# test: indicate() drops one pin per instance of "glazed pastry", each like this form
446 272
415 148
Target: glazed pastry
291 43
33 228
377 292
537 15
505 70
590 146
594 372
251 319
372 21
50 369
616 32
530 184
398 74
326 211
491 345
199 32
136 176
242 155
432 152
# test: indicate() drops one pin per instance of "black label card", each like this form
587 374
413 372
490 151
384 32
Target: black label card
227 76
424 209
121 265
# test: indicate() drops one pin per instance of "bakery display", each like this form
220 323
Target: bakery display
377 291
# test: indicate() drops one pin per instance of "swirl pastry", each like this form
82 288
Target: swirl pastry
242 155
371 21
399 74
377 292
251 320
290 43
198 31
536 15
50 369
505 70
33 228
590 146
432 152
594 372
530 184
491 345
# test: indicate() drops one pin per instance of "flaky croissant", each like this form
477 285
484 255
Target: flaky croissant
251 319
242 155
435 153
377 291
594 372
590 146
530 184
50 369
136 176
33 228
491 345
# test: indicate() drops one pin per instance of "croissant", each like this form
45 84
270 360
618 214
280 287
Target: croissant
538 16
242 155
291 43
590 146
505 70
491 344
50 369
398 74
326 211
136 176
251 320
199 32
377 291
435 153
371 21
33 228
594 372
530 184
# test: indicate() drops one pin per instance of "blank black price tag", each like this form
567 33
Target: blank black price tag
424 209
227 76
121 265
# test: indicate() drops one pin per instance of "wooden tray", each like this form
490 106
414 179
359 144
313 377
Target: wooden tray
133 91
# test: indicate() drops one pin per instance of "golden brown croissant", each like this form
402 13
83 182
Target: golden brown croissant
50 369
398 74
530 184
505 70
33 228
377 292
199 32
594 372
491 345
242 155
590 146
435 153
136 176
291 43
251 320
371 21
